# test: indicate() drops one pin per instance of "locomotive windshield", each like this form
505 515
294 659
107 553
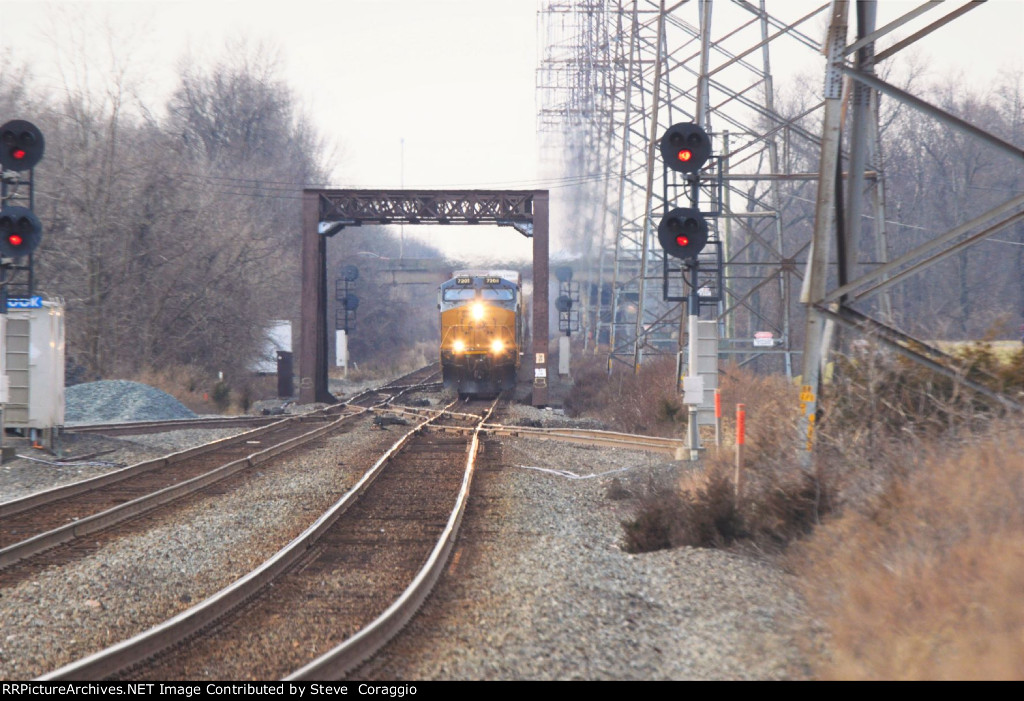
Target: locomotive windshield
466 293
458 294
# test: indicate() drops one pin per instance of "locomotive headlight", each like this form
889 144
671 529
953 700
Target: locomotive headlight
459 346
477 310
497 345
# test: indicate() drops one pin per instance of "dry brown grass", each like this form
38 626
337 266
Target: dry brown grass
393 365
779 501
645 403
929 583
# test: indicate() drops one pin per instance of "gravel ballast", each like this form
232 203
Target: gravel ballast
540 589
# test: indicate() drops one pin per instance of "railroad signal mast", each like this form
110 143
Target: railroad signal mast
683 234
345 313
31 388
21 148
683 231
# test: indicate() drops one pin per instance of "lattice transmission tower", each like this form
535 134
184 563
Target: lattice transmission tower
629 69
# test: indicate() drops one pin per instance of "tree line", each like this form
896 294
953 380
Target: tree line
172 231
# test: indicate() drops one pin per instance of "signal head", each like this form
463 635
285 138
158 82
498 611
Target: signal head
685 147
21 145
20 231
683 233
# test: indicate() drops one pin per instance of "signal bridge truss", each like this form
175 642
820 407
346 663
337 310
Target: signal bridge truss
326 213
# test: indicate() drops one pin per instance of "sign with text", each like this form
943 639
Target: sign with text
35 302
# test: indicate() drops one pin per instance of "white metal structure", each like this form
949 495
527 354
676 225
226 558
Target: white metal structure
34 357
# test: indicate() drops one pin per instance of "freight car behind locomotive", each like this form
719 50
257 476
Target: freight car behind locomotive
481 331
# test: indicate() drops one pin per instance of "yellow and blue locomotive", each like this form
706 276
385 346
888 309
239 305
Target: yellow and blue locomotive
481 331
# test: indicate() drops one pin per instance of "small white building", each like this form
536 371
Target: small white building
32 366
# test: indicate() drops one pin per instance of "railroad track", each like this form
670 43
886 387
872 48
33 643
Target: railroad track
133 428
607 439
42 521
338 591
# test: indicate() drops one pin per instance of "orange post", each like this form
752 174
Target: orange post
741 429
718 417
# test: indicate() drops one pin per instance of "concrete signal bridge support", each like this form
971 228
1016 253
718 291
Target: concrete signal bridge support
327 212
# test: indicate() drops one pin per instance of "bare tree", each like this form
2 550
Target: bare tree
174 241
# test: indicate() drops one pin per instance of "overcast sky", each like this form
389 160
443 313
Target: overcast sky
425 93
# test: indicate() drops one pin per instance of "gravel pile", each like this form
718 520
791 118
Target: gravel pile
120 400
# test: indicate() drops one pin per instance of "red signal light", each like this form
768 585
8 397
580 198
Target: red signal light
685 147
18 154
683 233
20 231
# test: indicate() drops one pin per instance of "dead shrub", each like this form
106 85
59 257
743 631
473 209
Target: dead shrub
908 528
394 364
658 515
779 501
882 395
204 393
710 518
646 402
704 512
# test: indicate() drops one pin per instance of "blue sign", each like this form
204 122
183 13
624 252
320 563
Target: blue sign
35 302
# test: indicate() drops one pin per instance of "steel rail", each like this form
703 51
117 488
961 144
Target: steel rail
189 622
611 439
132 427
39 498
361 646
